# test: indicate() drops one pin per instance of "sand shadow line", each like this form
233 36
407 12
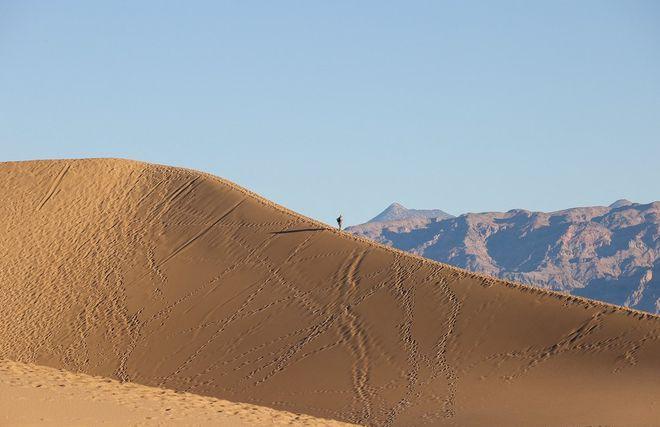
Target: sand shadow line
297 231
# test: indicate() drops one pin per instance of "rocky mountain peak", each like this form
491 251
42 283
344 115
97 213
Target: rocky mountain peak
609 254
621 203
396 212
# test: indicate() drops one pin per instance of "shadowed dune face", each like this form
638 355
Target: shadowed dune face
172 278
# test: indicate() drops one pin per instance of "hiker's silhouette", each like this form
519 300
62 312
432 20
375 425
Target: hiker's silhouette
340 219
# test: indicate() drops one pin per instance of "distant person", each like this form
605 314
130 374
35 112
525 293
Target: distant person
340 219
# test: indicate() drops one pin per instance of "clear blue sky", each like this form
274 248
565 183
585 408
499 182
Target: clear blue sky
329 106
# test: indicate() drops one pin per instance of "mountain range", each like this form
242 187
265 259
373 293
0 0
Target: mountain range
608 253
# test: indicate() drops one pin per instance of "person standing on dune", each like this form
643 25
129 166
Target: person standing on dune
340 219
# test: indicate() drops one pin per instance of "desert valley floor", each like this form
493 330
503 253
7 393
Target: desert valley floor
198 293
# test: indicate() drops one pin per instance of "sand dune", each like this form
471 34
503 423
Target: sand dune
37 395
172 278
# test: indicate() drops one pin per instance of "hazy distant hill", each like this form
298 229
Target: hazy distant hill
396 211
606 253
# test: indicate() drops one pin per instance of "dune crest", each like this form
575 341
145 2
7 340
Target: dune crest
173 278
37 395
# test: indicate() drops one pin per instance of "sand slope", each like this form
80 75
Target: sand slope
37 395
172 278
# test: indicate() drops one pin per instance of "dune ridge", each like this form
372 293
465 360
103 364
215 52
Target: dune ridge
463 271
38 395
174 278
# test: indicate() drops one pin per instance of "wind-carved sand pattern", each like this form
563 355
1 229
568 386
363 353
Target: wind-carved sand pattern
173 278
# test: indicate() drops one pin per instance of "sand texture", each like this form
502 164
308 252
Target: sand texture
172 278
37 395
